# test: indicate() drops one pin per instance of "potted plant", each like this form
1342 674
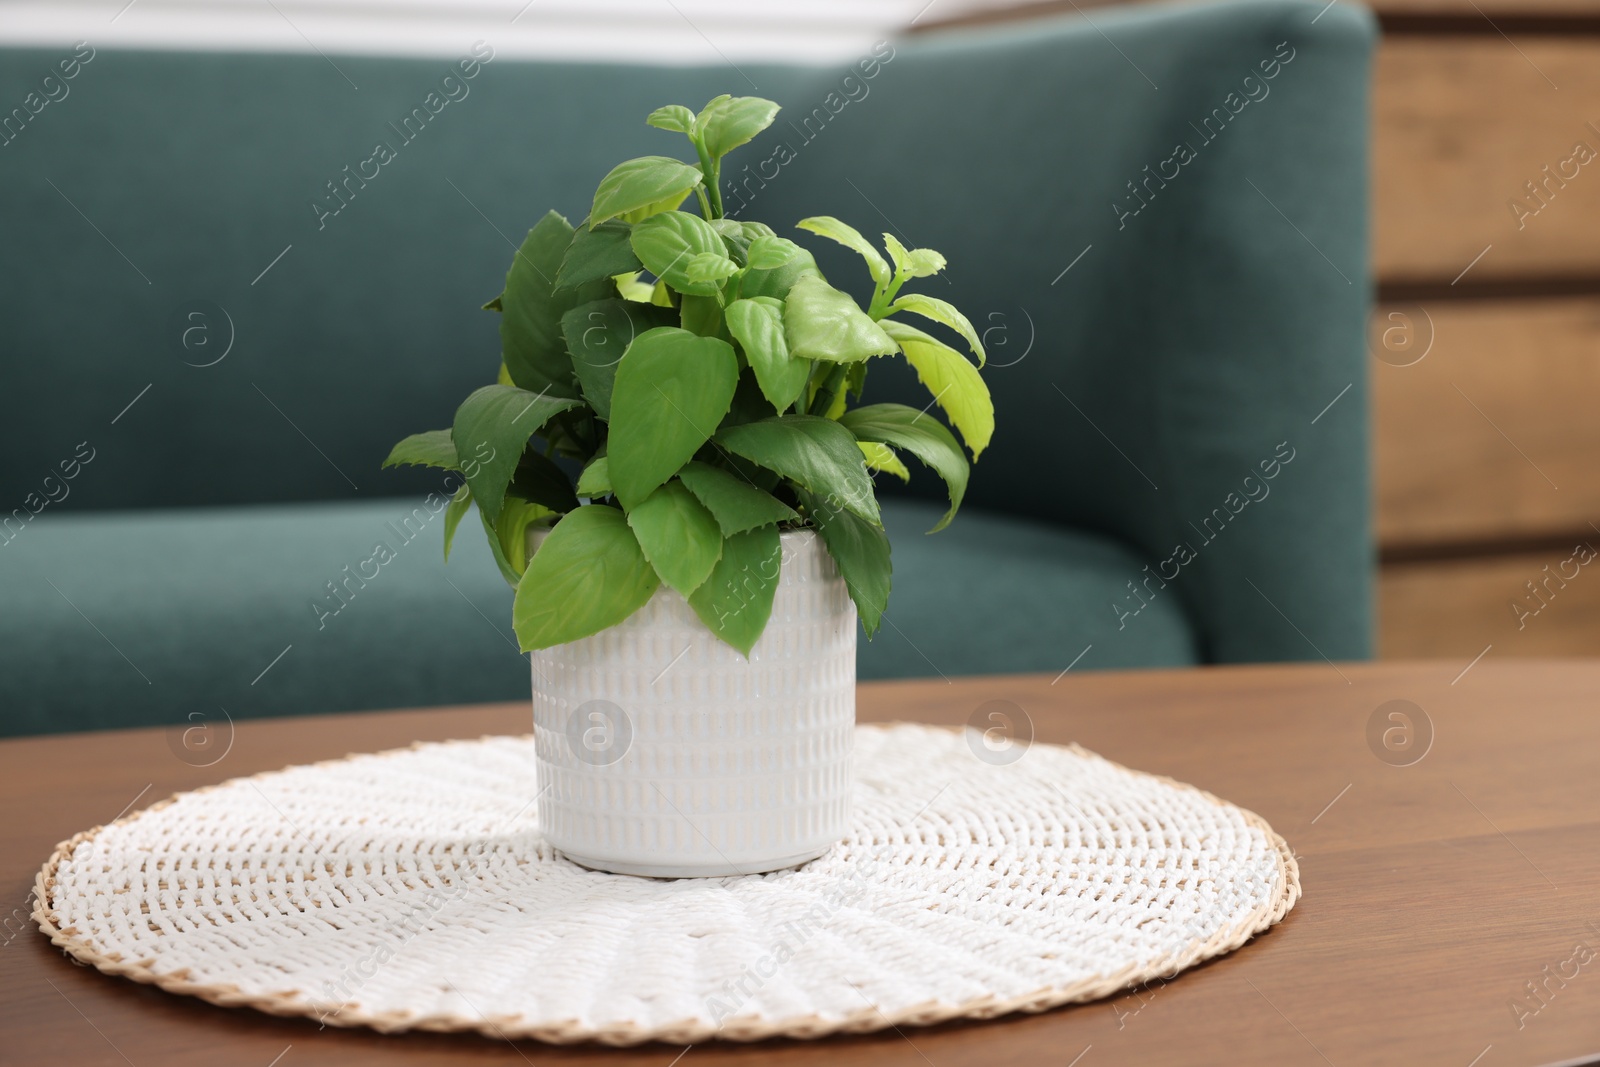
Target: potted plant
689 598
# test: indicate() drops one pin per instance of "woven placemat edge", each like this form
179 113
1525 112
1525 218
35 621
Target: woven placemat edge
689 1031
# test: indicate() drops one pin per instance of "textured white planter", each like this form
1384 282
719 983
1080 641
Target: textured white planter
664 752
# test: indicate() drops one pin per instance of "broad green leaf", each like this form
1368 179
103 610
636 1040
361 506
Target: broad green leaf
701 315
815 453
735 503
512 530
880 457
491 429
822 323
862 552
832 228
678 535
539 481
588 575
530 321
642 183
453 515
769 253
674 117
595 481
920 434
665 243
730 121
597 335
779 280
507 571
941 312
757 324
431 449
672 390
597 253
710 267
736 601
953 381
639 214
917 263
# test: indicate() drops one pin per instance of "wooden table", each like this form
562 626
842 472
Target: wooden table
1434 892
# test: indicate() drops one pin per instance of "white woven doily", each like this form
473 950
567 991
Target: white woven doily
411 889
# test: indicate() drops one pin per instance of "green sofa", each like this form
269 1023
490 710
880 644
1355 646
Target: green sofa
1159 220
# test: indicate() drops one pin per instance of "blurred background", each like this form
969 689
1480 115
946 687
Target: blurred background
1484 343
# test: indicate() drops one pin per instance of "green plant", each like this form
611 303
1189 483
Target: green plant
699 372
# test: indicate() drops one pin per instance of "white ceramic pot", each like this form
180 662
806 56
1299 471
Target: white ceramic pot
664 752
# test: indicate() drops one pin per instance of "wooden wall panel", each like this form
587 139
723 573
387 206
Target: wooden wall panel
1460 125
1457 608
1494 434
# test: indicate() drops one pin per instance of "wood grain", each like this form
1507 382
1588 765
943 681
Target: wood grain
1421 919
1460 124
1492 434
1520 604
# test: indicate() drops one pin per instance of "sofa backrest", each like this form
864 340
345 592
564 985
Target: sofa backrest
1158 221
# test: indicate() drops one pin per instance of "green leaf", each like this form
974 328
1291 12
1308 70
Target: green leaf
735 503
952 379
734 239
491 429
880 457
730 121
511 529
507 571
779 280
769 253
672 390
832 228
822 323
736 601
673 117
941 312
530 322
597 253
757 324
642 183
431 449
540 481
493 305
710 267
639 214
862 552
588 575
678 535
920 263
920 434
665 243
701 315
595 481
632 287
815 453
597 335
453 515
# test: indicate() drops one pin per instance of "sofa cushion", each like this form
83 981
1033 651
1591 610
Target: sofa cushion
180 617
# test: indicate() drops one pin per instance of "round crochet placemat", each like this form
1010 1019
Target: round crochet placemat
411 889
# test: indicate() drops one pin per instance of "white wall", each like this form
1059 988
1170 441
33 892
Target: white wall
667 31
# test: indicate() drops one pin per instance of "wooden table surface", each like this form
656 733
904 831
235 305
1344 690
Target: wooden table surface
1437 894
